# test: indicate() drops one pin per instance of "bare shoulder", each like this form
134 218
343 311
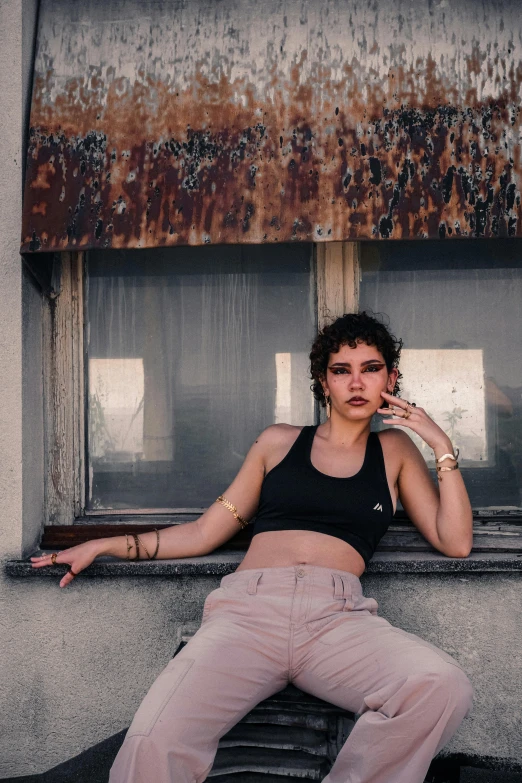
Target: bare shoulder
277 435
275 441
397 446
395 438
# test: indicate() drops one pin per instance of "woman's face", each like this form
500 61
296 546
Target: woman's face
355 378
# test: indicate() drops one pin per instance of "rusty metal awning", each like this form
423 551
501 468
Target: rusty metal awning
194 121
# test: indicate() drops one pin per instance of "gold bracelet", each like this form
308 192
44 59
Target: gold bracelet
445 470
144 547
129 546
153 557
137 545
233 509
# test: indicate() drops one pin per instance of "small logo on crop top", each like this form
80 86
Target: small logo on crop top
377 507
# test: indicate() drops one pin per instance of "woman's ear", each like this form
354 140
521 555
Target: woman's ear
323 383
390 385
392 379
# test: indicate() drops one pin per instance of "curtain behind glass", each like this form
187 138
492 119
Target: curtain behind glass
456 304
191 353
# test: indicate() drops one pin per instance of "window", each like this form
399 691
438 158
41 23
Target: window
191 352
457 307
162 366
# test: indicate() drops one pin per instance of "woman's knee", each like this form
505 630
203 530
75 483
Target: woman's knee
452 687
465 691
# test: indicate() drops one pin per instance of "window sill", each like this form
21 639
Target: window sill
225 562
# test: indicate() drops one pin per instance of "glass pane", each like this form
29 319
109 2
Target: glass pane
191 353
457 307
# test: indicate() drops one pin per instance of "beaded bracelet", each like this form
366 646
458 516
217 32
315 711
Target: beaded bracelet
153 557
137 540
129 545
144 547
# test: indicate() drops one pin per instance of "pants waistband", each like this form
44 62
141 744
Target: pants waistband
344 583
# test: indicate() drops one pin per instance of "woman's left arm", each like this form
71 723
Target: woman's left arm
444 517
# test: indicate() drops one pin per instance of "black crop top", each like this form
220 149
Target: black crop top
297 496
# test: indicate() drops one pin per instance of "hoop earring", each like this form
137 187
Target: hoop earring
328 406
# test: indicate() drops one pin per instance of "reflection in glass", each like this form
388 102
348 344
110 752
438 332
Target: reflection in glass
291 405
459 301
191 353
116 408
457 402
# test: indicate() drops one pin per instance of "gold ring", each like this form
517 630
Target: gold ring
407 414
53 557
70 571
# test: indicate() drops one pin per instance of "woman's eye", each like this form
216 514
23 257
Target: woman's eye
370 368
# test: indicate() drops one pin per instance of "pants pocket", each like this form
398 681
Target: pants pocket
319 617
314 626
210 600
366 604
160 692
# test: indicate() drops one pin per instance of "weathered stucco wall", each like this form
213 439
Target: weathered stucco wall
20 303
10 276
95 648
21 441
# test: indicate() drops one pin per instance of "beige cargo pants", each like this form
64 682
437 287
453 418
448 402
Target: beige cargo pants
311 626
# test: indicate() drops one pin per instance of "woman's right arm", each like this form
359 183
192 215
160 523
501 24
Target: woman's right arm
189 539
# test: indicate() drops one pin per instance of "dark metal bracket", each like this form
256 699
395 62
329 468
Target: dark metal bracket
45 270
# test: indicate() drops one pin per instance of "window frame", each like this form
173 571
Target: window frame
337 268
64 392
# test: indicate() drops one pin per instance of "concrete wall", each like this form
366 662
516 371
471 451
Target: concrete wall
31 327
21 440
83 658
20 304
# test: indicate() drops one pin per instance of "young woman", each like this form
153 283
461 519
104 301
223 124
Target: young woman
294 609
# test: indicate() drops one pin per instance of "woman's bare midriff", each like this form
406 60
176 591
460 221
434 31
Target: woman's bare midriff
301 547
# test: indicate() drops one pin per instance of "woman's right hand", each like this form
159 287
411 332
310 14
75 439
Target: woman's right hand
77 557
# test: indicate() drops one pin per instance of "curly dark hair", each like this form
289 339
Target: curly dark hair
350 329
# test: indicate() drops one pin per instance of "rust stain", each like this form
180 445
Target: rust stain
321 148
43 173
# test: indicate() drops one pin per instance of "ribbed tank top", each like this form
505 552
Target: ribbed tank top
297 496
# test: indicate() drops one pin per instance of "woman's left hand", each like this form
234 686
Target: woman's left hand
418 421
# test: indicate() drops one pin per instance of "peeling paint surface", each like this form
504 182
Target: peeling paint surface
160 123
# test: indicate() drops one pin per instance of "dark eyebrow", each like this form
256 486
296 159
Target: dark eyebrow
363 364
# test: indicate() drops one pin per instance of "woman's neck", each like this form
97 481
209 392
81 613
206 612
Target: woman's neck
340 432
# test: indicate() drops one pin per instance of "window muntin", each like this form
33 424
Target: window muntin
457 307
191 352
